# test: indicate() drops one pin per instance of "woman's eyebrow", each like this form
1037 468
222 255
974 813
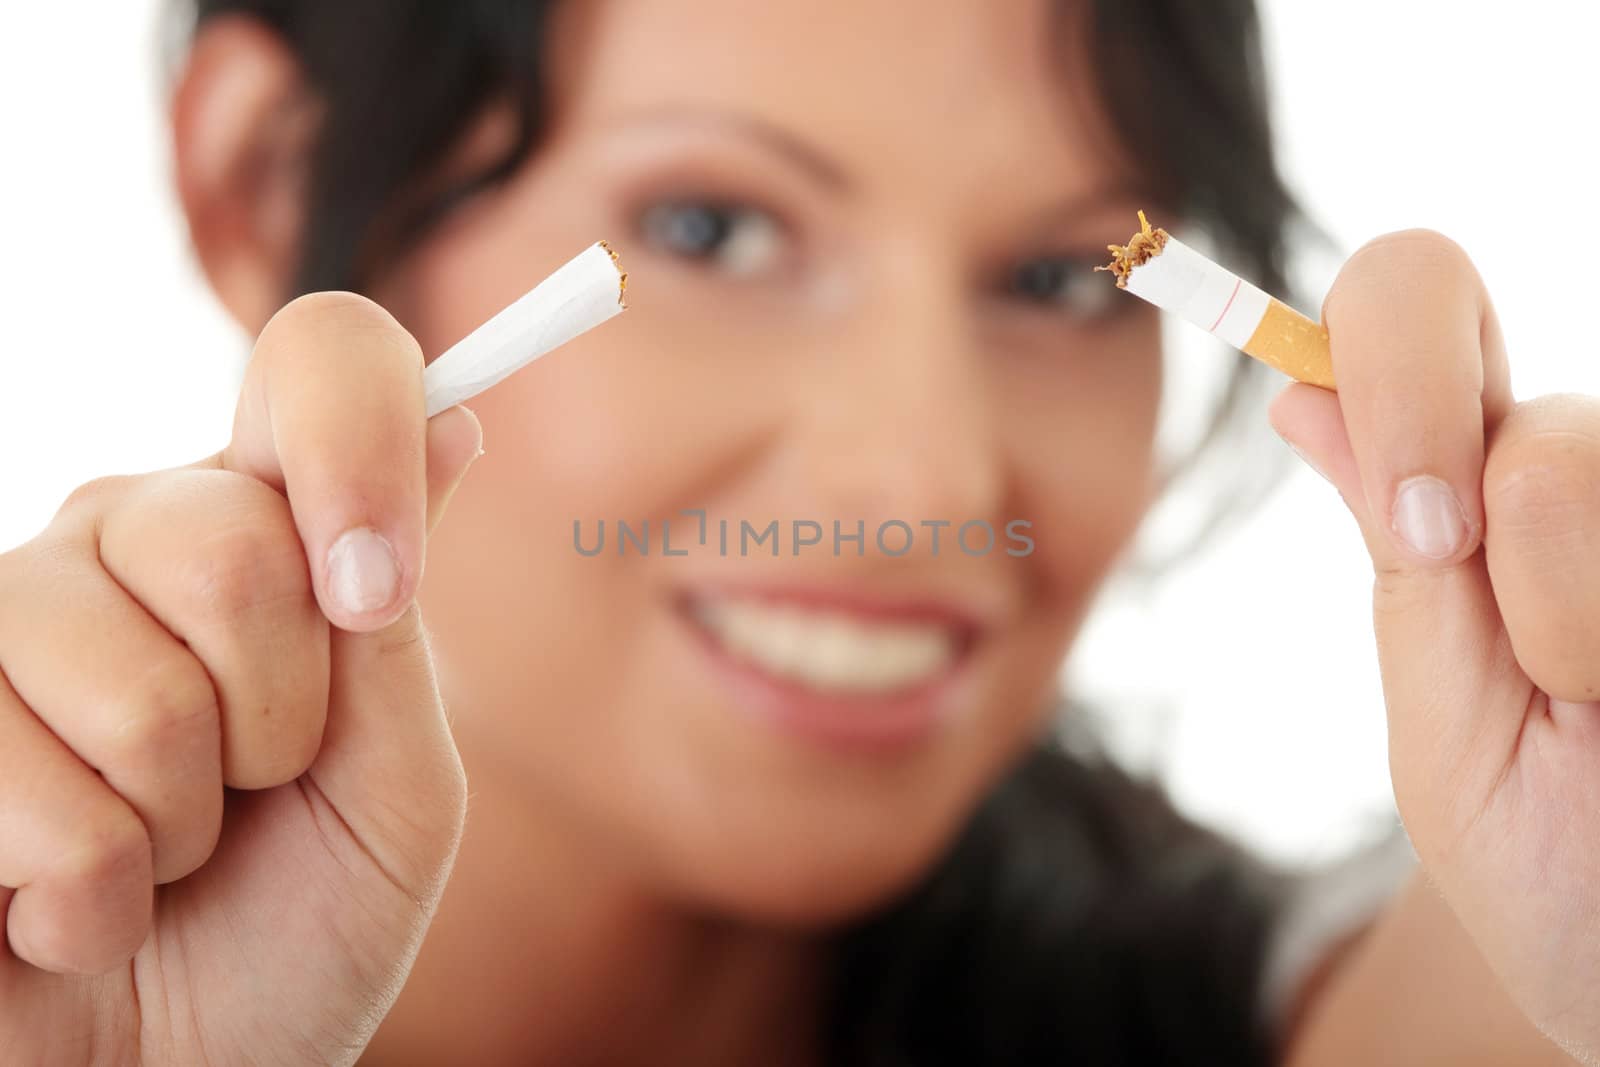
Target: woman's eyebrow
773 137
1095 203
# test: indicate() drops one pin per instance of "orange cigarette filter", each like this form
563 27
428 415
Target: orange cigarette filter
1157 267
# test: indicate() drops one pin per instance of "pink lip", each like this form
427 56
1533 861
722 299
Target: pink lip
883 723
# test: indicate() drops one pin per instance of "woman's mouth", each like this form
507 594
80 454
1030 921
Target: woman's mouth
828 651
846 674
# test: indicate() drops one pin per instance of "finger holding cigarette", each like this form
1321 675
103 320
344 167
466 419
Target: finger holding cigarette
1425 380
1159 268
1455 394
328 416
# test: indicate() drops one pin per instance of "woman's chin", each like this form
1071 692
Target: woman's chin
808 878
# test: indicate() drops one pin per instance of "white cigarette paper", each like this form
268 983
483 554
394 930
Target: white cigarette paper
1158 267
1212 297
575 299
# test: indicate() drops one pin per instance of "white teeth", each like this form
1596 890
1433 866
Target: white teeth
828 650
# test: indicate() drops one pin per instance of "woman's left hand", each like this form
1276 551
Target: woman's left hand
1482 517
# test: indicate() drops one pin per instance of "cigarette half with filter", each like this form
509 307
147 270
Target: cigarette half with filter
1159 268
587 291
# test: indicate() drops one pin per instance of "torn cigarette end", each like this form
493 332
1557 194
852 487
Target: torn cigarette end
1164 271
622 275
1141 248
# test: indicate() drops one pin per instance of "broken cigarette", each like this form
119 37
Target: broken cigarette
585 292
1159 268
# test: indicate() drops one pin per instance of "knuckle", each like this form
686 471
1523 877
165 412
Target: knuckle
283 754
171 700
406 642
24 565
1543 466
1556 482
1401 591
95 495
113 850
243 567
278 766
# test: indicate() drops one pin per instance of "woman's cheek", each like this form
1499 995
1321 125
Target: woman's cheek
1084 468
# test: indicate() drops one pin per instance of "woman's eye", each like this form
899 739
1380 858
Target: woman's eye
739 240
1065 282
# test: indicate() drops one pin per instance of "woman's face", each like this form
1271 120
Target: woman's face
859 240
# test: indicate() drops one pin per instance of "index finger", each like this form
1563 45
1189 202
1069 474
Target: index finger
331 415
1423 378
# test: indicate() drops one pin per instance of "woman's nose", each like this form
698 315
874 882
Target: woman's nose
900 423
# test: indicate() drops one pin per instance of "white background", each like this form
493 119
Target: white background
1248 681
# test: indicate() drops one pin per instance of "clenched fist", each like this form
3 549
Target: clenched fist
1482 517
229 799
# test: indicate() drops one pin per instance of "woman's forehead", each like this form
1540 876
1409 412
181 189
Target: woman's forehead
907 76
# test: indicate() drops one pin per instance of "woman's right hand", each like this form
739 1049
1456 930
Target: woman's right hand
229 797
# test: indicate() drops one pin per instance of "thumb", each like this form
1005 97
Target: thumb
388 764
1454 693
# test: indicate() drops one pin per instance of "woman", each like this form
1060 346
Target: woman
745 807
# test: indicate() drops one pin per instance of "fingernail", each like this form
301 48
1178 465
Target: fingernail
1428 518
1308 460
363 573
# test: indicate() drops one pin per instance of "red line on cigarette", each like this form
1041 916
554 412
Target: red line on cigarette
1237 283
